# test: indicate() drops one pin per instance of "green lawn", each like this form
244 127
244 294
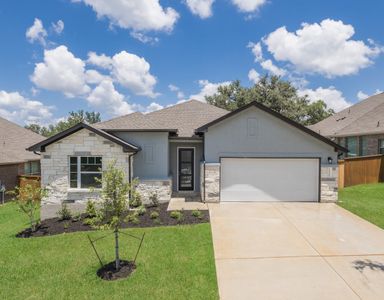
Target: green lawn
174 263
366 201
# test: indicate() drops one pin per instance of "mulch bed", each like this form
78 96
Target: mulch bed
109 272
56 226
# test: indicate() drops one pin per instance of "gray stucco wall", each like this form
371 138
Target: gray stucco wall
253 133
173 161
152 162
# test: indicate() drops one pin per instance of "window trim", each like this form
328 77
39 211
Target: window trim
380 141
356 150
79 172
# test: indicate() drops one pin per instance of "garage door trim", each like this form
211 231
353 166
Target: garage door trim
275 157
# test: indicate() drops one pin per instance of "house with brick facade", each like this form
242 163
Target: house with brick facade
192 148
359 128
15 160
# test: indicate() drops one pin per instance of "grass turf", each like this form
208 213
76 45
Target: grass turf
174 263
366 201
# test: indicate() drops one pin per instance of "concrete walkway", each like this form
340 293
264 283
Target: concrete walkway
296 251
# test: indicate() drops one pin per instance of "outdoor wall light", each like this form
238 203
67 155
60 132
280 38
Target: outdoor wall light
330 160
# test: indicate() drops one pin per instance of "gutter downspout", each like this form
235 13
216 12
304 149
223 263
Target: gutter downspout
130 171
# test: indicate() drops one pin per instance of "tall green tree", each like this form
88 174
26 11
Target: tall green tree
73 118
275 93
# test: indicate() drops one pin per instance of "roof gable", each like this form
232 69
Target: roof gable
277 115
128 147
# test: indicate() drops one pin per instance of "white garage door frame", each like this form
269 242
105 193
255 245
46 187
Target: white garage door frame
277 158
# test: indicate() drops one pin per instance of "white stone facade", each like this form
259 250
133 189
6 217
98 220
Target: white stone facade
55 166
163 188
329 183
211 185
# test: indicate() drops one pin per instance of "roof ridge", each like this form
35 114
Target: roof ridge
119 117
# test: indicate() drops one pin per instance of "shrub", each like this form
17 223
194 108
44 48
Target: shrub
90 209
66 225
131 217
157 221
154 199
177 215
135 199
64 213
76 217
154 215
197 214
141 210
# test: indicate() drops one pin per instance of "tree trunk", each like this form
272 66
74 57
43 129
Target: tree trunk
117 258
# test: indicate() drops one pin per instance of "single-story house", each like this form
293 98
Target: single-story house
251 154
15 160
360 127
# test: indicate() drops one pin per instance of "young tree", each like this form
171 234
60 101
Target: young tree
275 93
114 202
73 118
28 198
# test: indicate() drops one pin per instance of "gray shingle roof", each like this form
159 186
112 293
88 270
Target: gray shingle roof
184 117
14 140
365 117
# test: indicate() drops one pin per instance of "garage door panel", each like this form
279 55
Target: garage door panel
269 179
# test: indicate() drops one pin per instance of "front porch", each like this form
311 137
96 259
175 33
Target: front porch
186 201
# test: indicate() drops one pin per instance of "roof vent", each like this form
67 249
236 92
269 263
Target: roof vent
378 123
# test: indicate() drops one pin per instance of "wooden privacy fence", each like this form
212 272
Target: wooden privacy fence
33 180
361 170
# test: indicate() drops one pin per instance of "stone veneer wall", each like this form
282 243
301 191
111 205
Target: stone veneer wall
163 188
211 184
55 167
328 190
329 183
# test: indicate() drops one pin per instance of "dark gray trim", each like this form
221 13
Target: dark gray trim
278 157
127 147
140 130
262 107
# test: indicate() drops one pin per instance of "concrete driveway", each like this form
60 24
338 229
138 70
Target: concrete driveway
296 251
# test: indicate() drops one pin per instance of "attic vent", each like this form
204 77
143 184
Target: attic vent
92 134
378 123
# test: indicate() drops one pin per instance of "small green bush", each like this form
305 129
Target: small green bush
90 209
157 221
64 213
154 199
177 215
141 210
197 214
76 217
135 200
66 225
131 217
154 215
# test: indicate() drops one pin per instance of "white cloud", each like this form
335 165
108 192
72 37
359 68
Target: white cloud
253 76
36 32
361 95
173 88
202 8
102 60
256 50
325 48
137 15
207 89
19 109
331 96
248 5
104 96
273 69
58 27
153 107
95 77
61 71
144 38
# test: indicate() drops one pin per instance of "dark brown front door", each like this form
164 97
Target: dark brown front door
186 169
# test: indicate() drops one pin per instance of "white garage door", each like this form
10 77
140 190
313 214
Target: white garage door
269 179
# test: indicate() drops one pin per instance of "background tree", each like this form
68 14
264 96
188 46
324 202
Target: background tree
114 202
73 118
28 198
275 93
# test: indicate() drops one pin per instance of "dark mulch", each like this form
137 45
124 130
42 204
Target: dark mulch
56 226
109 272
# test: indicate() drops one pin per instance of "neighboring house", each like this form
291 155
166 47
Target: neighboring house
15 160
360 128
251 154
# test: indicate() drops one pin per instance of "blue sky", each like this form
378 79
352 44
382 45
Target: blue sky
158 53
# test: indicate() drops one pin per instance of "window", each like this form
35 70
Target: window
381 146
32 168
84 170
363 143
351 144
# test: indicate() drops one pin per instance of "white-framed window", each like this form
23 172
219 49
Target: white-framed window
84 170
381 146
